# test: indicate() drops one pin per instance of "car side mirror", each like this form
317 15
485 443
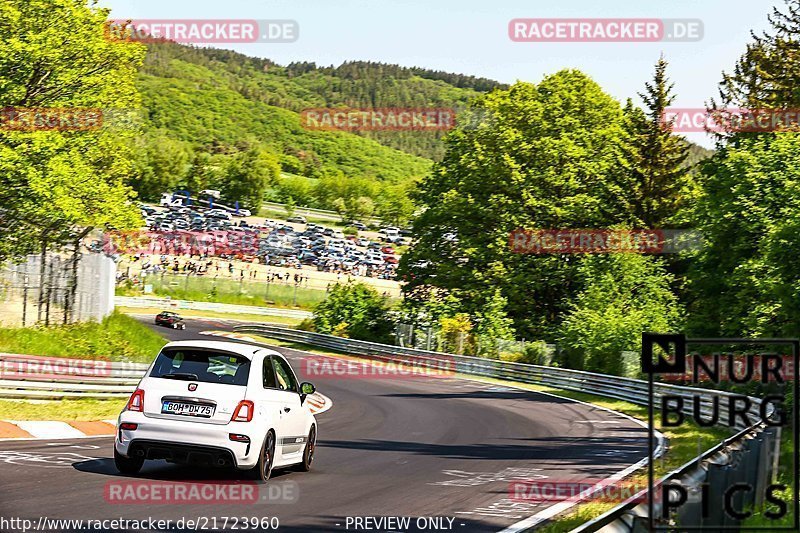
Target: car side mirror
306 388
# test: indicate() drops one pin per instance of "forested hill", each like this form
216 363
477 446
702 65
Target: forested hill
220 78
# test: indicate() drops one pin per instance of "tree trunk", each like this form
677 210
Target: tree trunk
73 282
42 265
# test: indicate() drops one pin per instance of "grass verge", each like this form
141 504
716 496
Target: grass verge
190 313
229 291
62 410
118 337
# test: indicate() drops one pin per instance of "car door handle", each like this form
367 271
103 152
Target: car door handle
287 409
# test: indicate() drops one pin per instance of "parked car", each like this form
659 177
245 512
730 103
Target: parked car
387 250
222 404
170 319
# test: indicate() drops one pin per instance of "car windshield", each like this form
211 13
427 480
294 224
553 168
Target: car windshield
207 366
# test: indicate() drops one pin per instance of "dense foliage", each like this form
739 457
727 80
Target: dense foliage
545 156
531 163
211 105
56 182
356 311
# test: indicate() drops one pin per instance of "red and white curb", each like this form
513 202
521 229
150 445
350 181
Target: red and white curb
47 429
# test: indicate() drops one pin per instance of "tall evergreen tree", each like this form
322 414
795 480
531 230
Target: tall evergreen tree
654 155
768 73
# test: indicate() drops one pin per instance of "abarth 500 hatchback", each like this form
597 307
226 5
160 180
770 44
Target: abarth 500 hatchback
222 404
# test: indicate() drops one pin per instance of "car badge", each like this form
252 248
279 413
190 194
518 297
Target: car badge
192 386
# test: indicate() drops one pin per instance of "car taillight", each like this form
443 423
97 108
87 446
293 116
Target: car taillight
128 426
136 403
243 412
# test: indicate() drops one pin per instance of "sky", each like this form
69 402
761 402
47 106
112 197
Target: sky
471 37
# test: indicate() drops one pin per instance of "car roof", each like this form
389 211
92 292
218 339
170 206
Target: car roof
240 348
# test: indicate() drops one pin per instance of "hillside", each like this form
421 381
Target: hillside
206 108
218 74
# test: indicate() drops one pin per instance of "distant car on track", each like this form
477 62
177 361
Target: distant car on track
297 219
170 319
222 404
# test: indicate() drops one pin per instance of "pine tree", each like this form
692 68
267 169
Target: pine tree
767 76
654 155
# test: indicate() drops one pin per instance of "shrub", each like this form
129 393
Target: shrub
355 310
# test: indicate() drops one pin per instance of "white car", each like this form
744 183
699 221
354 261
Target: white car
215 403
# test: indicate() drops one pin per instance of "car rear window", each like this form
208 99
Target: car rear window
207 366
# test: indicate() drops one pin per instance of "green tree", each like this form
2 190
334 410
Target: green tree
161 165
247 177
532 156
767 75
394 204
55 184
744 281
357 310
655 156
623 295
493 324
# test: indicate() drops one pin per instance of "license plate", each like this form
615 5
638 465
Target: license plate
187 409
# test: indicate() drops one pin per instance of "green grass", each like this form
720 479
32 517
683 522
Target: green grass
118 337
192 313
229 291
280 214
65 410
785 477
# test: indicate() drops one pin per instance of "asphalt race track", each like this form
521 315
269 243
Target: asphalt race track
414 447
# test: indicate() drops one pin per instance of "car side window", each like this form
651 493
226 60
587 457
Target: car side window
285 375
269 374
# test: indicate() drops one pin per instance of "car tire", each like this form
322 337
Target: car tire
263 469
127 465
308 454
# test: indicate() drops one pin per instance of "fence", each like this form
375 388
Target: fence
750 455
61 292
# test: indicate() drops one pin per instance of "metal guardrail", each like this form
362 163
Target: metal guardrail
616 387
630 515
54 378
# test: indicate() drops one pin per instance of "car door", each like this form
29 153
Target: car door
294 437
